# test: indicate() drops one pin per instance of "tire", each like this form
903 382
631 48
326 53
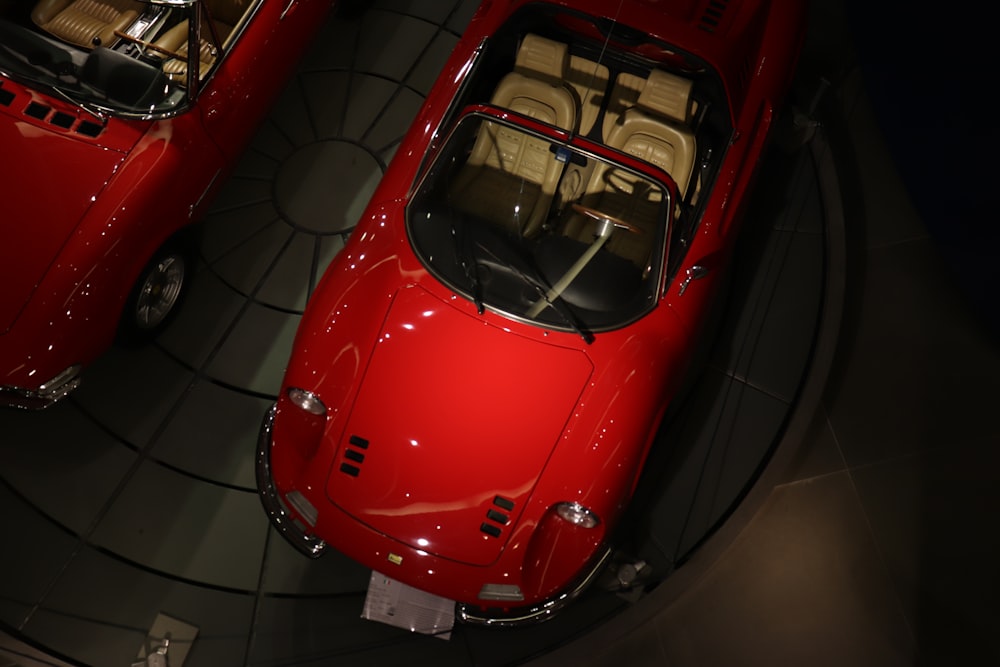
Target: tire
156 295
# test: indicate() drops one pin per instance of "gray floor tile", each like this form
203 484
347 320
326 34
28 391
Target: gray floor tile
62 463
256 351
209 311
132 391
213 435
183 527
409 37
32 560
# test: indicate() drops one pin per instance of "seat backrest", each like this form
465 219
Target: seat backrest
657 128
505 161
654 129
85 23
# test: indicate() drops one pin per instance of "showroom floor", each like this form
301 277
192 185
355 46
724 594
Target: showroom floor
855 370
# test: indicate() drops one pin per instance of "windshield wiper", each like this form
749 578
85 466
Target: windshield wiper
537 283
470 266
102 117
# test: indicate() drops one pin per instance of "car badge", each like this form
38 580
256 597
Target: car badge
396 559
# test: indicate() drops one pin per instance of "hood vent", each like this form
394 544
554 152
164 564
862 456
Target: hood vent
712 17
60 119
353 456
495 518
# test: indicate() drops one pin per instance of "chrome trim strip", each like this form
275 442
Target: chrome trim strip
543 611
280 518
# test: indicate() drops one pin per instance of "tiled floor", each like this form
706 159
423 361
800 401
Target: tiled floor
845 343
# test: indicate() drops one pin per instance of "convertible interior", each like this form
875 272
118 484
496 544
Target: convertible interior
158 32
512 178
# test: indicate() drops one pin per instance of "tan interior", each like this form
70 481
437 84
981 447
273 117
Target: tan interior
86 23
226 15
511 177
654 129
589 80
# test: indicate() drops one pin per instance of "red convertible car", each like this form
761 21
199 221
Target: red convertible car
119 119
478 378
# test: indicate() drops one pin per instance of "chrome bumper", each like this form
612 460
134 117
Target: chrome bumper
280 517
543 611
48 393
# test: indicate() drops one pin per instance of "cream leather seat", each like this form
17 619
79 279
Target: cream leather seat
86 23
226 14
654 130
511 177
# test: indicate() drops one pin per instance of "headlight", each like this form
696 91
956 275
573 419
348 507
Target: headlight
577 515
306 400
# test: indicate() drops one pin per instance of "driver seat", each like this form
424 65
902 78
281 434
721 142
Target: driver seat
656 131
85 23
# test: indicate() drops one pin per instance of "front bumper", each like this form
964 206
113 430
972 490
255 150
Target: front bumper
47 393
520 616
280 517
472 614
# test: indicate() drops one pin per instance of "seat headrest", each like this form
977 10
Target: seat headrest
542 58
668 95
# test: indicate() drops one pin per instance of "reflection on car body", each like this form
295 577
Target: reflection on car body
119 120
477 380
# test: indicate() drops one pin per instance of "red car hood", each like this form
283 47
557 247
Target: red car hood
454 418
49 178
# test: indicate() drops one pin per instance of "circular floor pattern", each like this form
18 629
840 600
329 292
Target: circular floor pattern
136 496
319 187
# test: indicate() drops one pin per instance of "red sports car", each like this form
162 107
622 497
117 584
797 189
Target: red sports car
477 380
119 119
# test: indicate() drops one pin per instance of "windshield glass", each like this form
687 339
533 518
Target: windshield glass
134 65
538 229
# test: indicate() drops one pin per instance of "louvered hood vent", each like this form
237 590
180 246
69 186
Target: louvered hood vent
60 119
497 516
354 456
712 18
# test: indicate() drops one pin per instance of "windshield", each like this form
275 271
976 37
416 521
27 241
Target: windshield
538 229
135 64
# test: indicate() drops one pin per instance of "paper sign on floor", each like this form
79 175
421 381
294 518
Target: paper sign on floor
394 603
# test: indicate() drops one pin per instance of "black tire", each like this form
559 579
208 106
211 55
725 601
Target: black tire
157 294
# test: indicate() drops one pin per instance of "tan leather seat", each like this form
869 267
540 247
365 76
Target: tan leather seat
654 130
226 15
510 177
86 23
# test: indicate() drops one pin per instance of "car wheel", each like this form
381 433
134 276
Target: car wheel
156 295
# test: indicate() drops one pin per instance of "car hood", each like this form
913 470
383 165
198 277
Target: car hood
452 426
50 178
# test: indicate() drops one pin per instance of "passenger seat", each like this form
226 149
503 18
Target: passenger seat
85 23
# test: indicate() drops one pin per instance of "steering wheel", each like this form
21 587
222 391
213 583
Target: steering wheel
148 45
604 217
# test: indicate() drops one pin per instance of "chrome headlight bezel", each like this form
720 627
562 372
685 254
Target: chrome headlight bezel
576 514
306 401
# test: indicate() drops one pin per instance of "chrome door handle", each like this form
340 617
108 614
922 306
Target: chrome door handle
696 272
